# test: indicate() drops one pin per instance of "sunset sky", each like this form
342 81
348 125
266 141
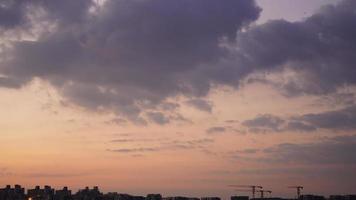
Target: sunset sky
179 97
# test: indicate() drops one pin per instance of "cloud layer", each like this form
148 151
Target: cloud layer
131 57
343 119
336 150
127 56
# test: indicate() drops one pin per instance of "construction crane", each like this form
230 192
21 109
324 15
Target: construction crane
253 188
262 192
299 189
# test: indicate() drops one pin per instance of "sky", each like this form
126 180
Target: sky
179 97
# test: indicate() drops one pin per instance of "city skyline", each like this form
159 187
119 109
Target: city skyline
17 192
179 97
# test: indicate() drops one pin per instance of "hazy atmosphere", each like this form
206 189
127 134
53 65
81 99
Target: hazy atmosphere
179 97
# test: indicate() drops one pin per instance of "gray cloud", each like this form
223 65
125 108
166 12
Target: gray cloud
122 140
308 172
162 119
164 144
118 121
249 151
189 144
341 174
158 118
216 129
201 104
336 150
129 57
299 126
320 49
232 121
15 13
133 150
263 123
338 98
131 140
342 119
11 13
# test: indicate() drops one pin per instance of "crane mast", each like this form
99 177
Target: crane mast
262 193
298 188
253 188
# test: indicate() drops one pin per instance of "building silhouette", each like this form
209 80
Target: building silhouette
154 197
311 197
63 194
48 193
210 198
240 198
15 193
88 194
